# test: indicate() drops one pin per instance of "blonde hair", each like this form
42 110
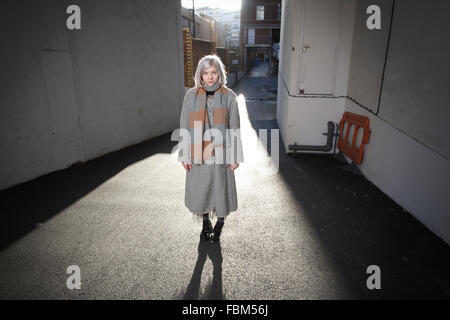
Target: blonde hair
207 62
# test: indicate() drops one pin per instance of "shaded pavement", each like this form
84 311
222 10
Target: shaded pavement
309 230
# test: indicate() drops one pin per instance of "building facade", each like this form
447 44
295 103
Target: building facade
259 32
231 20
206 27
218 32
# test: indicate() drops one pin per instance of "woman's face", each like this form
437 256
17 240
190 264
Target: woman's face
210 76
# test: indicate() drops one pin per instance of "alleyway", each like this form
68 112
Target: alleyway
308 231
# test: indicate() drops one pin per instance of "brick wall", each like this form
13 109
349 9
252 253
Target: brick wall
248 11
263 36
224 55
194 50
201 48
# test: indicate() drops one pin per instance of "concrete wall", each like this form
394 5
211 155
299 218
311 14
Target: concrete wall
396 76
204 31
219 32
303 119
73 95
408 153
231 78
368 55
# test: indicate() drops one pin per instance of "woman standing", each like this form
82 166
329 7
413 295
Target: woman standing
213 147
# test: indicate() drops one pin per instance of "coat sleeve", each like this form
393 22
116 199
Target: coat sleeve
184 154
236 155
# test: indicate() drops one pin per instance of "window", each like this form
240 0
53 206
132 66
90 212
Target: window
236 17
251 36
259 12
279 11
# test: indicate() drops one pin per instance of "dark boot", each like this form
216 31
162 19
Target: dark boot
217 231
206 231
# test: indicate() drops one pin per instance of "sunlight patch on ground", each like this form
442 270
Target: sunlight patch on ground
256 156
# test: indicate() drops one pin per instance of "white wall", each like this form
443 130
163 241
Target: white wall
303 119
368 55
415 177
69 96
406 100
408 153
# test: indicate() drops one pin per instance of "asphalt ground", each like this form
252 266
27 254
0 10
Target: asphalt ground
305 229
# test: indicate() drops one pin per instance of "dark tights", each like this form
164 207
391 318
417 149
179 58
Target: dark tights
206 217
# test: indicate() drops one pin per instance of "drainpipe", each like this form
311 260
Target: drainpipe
193 19
330 134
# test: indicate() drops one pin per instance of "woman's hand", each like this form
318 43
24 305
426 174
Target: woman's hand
187 166
234 166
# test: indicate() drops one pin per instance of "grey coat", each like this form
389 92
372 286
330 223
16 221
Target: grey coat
212 187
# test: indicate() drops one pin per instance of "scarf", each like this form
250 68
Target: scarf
203 149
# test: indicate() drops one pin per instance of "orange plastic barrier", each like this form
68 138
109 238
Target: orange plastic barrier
352 150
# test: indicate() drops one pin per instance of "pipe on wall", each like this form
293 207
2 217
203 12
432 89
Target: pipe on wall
330 134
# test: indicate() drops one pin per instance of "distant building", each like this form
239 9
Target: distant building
187 21
231 20
206 27
218 32
260 31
